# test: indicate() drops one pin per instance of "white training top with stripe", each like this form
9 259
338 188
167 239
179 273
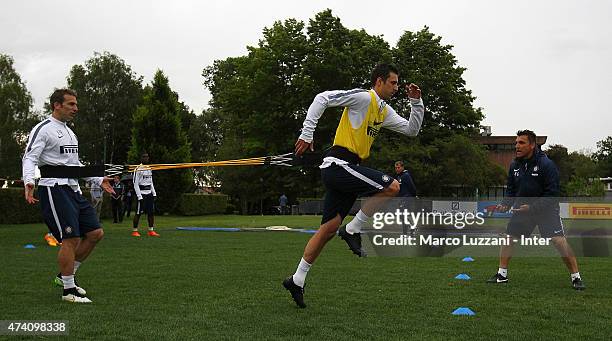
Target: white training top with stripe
357 101
143 178
52 142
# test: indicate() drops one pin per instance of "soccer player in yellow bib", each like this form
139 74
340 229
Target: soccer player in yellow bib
365 113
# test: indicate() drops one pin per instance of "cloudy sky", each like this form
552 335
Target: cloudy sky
542 65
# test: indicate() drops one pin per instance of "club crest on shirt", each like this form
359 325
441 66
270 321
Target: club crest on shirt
68 229
60 134
535 168
386 178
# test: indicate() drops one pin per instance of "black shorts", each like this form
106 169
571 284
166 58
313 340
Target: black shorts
343 184
66 212
146 205
523 224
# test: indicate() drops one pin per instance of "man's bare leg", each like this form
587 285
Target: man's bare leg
87 244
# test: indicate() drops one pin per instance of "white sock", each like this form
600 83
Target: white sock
68 281
299 277
76 266
151 228
575 275
503 272
357 223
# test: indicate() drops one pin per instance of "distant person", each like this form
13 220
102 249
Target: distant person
532 191
407 193
145 192
282 202
407 187
117 200
97 196
127 198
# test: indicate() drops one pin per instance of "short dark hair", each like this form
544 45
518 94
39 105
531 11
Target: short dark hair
58 96
530 135
383 71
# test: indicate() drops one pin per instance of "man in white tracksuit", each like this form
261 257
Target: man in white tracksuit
53 146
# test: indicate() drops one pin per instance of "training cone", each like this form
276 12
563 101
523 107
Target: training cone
463 276
463 311
29 246
468 259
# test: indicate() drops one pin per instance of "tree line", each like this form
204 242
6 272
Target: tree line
259 101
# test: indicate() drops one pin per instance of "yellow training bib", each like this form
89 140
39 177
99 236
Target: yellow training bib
359 140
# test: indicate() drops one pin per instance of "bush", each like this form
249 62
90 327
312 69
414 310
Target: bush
201 204
15 210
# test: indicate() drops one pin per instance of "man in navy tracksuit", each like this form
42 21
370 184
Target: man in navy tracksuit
407 193
532 191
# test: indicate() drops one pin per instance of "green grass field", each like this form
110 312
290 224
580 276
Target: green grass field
224 285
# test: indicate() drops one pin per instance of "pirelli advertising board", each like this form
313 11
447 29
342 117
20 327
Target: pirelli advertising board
590 211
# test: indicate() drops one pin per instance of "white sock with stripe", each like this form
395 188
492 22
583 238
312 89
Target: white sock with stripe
68 281
357 223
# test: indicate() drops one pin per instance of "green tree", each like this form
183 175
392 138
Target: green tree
577 172
262 99
16 118
561 158
450 116
108 94
603 155
582 187
157 131
583 165
205 136
423 60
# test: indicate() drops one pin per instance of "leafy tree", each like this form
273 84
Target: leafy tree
205 136
423 60
157 131
583 165
108 94
577 172
603 155
582 187
16 118
262 98
561 158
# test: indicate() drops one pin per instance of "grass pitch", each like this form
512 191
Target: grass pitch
224 285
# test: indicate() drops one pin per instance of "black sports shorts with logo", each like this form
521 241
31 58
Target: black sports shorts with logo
344 183
66 212
146 205
549 224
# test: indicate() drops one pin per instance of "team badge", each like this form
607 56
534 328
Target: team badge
68 229
535 168
60 134
386 178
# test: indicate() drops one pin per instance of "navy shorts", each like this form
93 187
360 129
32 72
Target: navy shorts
146 205
344 183
523 224
66 212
